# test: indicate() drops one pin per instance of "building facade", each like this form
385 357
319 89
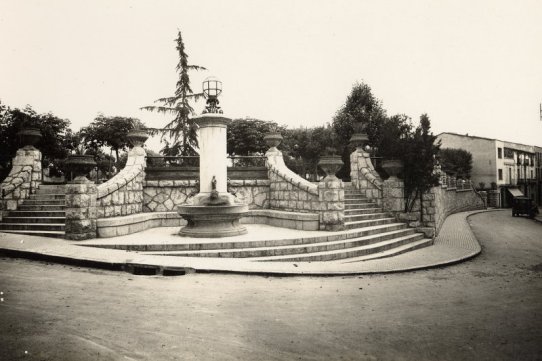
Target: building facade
512 168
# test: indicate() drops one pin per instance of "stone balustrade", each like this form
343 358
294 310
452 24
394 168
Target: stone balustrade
23 179
123 194
363 175
289 192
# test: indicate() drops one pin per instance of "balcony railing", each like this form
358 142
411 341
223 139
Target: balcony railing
247 160
172 161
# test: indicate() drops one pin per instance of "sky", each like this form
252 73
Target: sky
473 66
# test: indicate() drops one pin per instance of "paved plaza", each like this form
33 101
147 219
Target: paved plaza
486 308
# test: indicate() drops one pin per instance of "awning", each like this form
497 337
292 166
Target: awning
515 192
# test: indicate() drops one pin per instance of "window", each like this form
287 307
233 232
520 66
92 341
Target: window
508 153
509 175
532 174
499 153
500 174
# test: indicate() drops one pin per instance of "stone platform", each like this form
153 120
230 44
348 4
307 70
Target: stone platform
455 243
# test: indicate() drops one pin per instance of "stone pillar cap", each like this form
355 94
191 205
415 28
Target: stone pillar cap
211 119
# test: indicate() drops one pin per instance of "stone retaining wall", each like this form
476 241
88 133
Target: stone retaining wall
23 179
443 202
166 195
439 203
123 194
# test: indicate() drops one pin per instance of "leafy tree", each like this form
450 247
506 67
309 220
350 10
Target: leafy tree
245 136
418 156
182 128
109 131
305 146
52 128
458 161
362 111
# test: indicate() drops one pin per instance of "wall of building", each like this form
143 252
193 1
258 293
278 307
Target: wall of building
484 155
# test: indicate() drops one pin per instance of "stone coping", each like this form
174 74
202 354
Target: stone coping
133 223
141 217
193 183
273 213
135 218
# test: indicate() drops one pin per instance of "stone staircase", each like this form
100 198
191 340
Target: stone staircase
370 233
40 215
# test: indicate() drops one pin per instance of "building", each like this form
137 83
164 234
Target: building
512 168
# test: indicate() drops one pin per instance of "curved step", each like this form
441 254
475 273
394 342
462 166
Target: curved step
280 250
365 250
224 245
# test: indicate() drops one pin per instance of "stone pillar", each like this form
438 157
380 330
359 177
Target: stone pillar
80 209
393 196
331 195
24 178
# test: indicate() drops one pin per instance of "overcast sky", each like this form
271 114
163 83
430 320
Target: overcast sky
474 66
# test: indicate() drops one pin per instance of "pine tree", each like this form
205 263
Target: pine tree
182 128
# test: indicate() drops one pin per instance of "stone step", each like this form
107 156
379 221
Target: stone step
371 222
31 202
369 249
48 196
424 242
360 205
225 244
350 200
54 234
31 226
292 249
50 220
363 217
50 188
38 214
357 211
40 207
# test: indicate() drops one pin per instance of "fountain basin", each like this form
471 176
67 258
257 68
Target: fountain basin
212 221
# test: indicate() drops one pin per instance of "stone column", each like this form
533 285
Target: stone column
213 161
80 209
331 195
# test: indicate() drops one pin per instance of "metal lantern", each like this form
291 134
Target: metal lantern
212 88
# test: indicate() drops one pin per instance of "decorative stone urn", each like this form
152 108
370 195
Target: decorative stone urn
330 164
359 139
393 167
137 137
80 165
29 137
273 139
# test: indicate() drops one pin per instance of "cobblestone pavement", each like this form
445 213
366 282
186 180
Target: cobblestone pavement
454 243
485 309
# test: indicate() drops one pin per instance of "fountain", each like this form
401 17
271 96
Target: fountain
213 212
